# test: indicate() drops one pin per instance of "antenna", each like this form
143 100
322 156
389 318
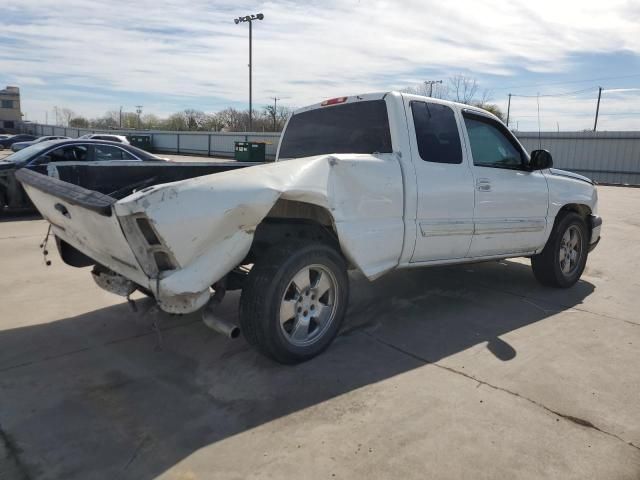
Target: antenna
539 134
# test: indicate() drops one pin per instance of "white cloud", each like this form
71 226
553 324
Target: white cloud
181 50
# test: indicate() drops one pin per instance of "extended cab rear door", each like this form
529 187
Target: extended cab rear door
444 213
511 202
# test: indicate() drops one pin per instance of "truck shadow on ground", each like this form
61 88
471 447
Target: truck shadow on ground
95 397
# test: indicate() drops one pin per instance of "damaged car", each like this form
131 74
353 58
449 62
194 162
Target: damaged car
373 183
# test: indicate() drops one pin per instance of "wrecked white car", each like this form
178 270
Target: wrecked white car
373 182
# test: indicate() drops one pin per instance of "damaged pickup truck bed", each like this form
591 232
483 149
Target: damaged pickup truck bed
374 182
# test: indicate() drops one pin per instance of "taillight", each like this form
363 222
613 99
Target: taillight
334 101
147 231
163 261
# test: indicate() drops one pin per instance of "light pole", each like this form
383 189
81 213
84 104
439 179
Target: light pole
249 19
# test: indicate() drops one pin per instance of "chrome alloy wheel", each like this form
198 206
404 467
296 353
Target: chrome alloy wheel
308 306
570 250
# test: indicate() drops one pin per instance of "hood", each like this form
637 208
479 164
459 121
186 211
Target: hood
566 173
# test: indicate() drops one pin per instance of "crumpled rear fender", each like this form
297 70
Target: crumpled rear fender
208 223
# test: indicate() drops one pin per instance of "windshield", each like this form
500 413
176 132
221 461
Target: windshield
24 155
359 127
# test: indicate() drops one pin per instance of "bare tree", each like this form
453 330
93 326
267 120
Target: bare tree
463 89
273 119
150 121
67 115
438 90
233 120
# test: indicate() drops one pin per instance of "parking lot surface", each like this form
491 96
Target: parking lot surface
473 371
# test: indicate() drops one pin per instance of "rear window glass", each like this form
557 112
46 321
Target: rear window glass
436 133
361 127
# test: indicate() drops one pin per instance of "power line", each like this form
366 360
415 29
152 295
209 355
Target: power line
586 80
564 94
579 114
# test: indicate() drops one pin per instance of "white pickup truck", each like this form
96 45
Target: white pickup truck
373 182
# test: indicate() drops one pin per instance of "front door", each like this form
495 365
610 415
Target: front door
511 202
444 213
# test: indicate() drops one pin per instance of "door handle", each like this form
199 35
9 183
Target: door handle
483 185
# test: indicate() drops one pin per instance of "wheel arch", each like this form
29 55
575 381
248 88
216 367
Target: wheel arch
581 209
291 220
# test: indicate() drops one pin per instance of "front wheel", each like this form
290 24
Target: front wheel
294 301
562 261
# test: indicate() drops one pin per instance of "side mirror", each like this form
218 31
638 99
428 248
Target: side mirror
540 160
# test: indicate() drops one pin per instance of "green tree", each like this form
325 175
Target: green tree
492 108
79 122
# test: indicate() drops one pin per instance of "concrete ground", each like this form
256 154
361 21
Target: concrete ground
471 371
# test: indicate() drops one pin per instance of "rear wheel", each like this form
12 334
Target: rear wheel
564 257
294 301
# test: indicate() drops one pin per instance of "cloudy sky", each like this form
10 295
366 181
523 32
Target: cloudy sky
168 55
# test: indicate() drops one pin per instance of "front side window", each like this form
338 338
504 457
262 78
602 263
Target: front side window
489 146
436 133
358 127
70 153
109 152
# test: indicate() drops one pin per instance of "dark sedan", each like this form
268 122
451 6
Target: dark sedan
39 155
21 137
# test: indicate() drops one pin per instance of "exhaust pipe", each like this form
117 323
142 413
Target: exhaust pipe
220 325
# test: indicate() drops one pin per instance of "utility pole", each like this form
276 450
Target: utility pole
595 124
46 118
120 120
508 109
250 19
275 111
431 83
139 111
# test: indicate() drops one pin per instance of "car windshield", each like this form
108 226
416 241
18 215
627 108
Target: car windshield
26 154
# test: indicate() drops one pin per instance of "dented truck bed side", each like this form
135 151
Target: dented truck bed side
205 226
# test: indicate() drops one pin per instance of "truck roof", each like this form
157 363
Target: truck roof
381 95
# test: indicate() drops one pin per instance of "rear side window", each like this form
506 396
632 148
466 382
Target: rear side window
436 133
360 127
109 152
107 137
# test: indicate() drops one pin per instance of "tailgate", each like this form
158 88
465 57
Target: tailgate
84 219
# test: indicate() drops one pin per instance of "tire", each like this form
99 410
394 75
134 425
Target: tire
554 266
294 301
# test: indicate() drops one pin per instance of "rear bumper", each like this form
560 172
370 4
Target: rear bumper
595 222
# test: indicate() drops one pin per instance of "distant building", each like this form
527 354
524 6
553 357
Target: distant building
10 114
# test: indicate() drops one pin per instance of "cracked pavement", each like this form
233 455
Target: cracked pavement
473 371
